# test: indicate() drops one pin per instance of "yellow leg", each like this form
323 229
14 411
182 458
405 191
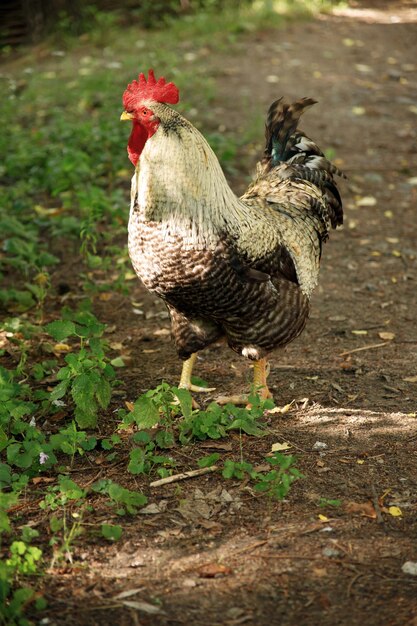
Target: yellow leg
185 380
260 374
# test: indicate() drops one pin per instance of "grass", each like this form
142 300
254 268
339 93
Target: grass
64 195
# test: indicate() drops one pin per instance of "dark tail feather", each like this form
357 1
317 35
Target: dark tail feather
282 121
294 156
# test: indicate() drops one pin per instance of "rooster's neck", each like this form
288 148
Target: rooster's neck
181 184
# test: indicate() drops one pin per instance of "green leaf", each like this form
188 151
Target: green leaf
86 417
56 523
21 597
103 393
61 329
5 475
208 461
142 437
137 463
164 439
199 382
70 489
82 391
118 362
327 502
145 412
29 533
111 532
60 390
185 399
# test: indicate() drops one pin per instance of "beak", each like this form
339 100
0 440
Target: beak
126 116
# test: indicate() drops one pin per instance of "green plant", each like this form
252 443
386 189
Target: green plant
14 602
23 558
23 561
64 534
144 458
26 446
124 500
215 421
328 502
66 491
58 498
276 483
111 532
159 406
239 470
88 376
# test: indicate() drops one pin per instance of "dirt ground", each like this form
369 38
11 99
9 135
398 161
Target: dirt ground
217 553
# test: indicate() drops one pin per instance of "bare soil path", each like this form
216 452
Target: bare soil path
216 553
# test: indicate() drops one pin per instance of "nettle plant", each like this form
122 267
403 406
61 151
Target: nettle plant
88 377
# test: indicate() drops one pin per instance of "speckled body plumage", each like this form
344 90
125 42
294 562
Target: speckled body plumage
240 268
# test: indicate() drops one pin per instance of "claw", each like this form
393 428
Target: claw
196 388
237 399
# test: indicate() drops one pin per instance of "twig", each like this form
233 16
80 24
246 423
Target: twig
353 581
176 477
369 347
92 480
290 557
251 547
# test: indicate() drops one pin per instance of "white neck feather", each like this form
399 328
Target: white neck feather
182 185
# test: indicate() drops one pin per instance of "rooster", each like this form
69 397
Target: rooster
240 268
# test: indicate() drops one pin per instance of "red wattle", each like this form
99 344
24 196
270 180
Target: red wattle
136 142
138 137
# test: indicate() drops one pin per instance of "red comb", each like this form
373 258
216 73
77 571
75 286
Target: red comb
151 89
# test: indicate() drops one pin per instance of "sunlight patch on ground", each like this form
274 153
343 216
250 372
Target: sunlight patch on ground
397 15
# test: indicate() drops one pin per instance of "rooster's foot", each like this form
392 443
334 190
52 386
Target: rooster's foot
185 381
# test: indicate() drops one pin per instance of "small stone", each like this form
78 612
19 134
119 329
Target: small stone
330 553
410 567
320 445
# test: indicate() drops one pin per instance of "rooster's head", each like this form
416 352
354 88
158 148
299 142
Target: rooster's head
140 99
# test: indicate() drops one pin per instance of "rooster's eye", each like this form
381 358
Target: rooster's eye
145 111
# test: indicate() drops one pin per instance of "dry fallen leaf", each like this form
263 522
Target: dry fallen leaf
162 332
61 347
281 409
278 447
366 201
395 511
410 379
364 69
38 480
214 570
106 296
386 336
363 508
320 572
